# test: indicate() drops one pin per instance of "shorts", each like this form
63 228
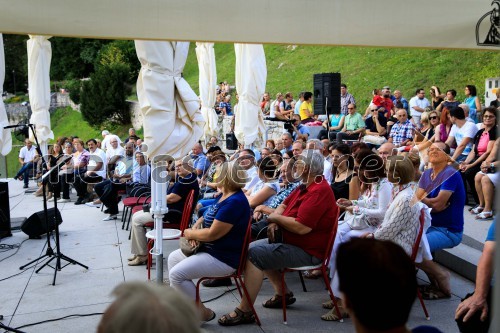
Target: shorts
441 238
276 256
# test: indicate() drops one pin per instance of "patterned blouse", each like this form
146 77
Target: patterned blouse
283 194
373 203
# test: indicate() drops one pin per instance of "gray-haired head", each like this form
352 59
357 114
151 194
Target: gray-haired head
314 144
105 132
287 134
314 161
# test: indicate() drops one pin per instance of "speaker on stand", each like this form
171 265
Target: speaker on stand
326 93
5 226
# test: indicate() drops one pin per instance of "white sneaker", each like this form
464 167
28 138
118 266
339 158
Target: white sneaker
51 199
63 200
91 204
110 217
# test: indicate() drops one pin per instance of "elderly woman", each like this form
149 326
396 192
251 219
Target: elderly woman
224 228
363 215
263 192
485 182
66 176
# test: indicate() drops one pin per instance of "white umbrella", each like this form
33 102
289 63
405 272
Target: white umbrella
207 85
5 137
39 56
251 74
172 121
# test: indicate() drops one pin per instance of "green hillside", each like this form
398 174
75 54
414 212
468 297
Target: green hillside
362 68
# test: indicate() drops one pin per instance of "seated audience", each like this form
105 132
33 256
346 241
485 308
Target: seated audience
148 308
65 175
473 314
207 184
386 150
427 126
225 106
270 144
449 102
344 179
176 198
462 134
354 126
28 156
442 131
402 132
263 192
305 223
376 128
441 189
114 152
96 172
483 143
332 125
485 182
106 140
316 144
418 106
377 278
306 111
299 131
201 164
363 215
222 236
298 147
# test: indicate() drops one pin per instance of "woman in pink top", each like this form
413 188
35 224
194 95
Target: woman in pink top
443 129
483 144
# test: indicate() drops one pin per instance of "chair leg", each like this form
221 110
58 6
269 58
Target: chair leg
124 215
245 291
150 258
332 296
238 286
129 218
302 281
423 305
283 298
130 234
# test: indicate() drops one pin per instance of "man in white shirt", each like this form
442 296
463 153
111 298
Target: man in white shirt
462 133
27 157
418 103
114 151
96 172
106 137
315 144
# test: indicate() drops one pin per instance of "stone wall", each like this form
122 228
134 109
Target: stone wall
17 113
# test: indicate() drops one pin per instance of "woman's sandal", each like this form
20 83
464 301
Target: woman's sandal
276 301
433 294
476 210
332 314
327 305
484 216
312 274
240 318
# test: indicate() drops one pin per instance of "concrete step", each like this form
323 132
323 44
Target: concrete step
461 259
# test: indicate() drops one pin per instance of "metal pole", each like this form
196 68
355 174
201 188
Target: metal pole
14 75
495 311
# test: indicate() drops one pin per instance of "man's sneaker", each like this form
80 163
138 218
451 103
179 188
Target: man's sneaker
106 211
52 199
217 283
63 200
25 186
111 217
79 201
91 204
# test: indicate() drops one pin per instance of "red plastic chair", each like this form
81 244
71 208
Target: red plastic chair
323 267
414 252
187 213
237 275
128 205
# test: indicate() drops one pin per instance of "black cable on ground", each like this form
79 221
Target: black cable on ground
8 247
61 318
217 297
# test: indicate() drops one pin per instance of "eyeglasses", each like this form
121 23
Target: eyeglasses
337 156
486 116
433 117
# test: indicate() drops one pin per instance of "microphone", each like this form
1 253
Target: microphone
18 125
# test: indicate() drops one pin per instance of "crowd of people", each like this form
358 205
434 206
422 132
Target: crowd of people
378 171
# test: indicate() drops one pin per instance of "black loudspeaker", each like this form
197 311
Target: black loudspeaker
4 210
35 225
326 93
231 141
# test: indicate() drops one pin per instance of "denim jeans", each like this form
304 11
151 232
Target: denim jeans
25 171
441 238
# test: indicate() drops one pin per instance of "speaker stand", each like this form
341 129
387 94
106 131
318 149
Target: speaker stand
58 256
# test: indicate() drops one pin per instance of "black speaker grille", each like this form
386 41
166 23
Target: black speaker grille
326 93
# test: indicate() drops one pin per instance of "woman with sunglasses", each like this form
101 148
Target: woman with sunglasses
484 141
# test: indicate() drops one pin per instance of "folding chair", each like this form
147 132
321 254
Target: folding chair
129 203
414 252
237 275
187 213
322 266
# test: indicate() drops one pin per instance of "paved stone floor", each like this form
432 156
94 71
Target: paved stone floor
29 297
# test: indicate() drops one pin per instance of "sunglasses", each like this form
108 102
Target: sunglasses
487 116
434 117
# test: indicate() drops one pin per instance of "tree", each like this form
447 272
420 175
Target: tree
103 97
16 63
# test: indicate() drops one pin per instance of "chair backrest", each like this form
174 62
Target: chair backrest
187 211
329 248
244 250
416 245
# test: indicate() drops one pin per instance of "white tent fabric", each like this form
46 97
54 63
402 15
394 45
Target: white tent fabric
39 57
207 85
450 23
172 121
251 75
5 137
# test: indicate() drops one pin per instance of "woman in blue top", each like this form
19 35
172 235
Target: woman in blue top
336 124
472 101
222 236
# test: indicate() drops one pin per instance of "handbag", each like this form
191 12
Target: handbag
374 140
356 221
186 248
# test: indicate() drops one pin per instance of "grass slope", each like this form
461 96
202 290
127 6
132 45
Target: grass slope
362 68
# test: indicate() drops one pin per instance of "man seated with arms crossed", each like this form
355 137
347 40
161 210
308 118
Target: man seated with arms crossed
186 180
306 224
27 157
114 151
96 172
402 132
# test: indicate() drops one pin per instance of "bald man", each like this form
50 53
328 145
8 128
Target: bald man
201 163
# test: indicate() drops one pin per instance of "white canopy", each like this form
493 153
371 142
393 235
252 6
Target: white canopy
39 56
207 85
251 75
422 23
172 121
5 137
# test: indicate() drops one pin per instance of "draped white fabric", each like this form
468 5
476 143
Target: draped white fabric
251 75
39 57
5 137
172 121
207 85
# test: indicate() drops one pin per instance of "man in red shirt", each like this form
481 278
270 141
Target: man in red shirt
306 219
